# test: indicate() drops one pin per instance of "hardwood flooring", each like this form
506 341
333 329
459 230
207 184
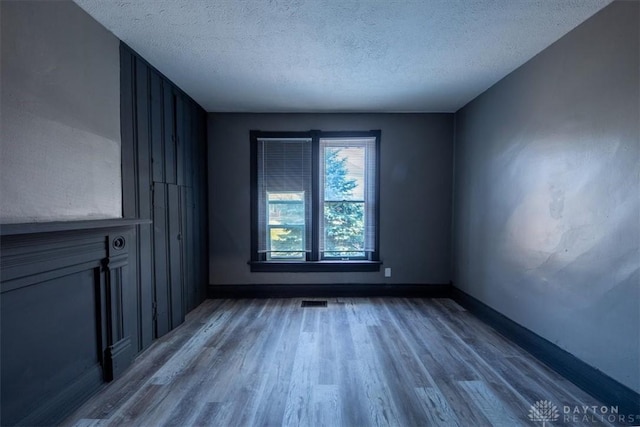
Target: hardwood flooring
356 362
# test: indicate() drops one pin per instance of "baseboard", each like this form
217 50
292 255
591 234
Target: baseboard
593 381
329 290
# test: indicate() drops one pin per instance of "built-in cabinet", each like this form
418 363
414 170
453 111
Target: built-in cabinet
164 180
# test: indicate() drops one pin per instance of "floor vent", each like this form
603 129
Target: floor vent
314 303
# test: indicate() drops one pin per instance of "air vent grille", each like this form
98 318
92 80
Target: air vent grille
306 303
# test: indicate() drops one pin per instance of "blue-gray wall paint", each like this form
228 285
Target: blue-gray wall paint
546 194
415 212
60 121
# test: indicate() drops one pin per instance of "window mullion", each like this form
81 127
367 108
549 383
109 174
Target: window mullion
314 255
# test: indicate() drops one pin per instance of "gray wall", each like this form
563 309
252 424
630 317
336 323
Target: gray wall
415 210
60 123
546 198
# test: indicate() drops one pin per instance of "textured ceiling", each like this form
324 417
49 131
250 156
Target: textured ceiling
338 55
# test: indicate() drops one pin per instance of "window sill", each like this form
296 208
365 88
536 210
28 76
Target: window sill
314 266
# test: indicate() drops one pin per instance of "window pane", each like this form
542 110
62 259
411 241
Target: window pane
286 242
344 173
286 208
286 224
343 229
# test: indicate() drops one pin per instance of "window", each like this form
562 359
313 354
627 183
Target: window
314 201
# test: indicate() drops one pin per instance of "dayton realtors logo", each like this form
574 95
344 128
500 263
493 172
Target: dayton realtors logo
543 411
597 414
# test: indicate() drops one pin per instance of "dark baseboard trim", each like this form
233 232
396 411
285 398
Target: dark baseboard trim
591 380
329 290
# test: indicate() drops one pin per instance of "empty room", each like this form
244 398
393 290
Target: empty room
320 213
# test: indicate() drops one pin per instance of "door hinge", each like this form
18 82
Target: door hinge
154 310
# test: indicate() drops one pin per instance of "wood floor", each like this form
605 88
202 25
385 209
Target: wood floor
356 362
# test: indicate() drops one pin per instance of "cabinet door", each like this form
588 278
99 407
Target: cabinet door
188 245
176 290
161 260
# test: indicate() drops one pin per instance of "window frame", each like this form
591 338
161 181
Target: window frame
259 262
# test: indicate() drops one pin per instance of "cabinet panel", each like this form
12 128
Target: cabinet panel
127 115
189 144
53 341
169 125
180 140
143 140
157 140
